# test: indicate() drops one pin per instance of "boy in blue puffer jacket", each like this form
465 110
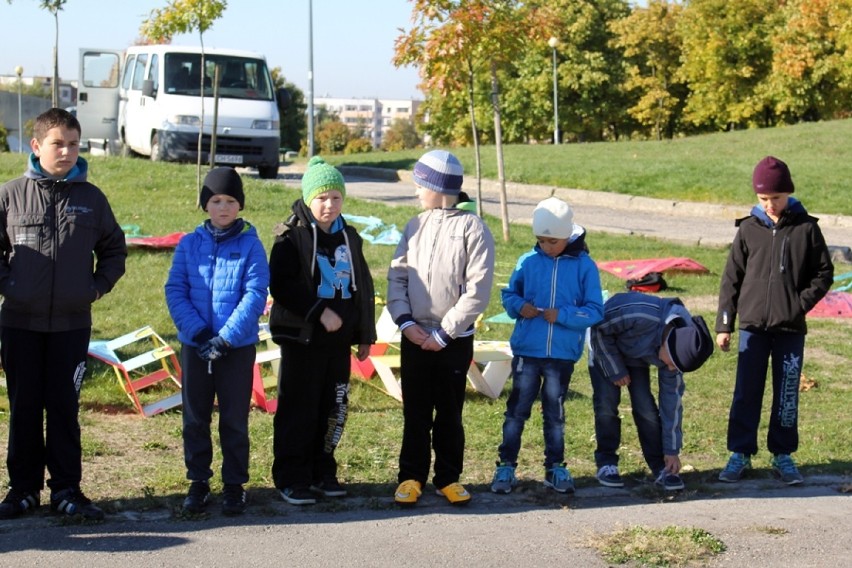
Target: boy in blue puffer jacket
555 295
216 293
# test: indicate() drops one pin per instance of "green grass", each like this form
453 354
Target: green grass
713 168
137 463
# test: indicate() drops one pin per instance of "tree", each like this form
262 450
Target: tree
400 136
294 123
333 136
652 50
182 17
727 55
54 7
808 80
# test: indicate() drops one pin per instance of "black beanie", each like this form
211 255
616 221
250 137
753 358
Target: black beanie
222 181
690 345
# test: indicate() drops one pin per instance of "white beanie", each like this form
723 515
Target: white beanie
553 218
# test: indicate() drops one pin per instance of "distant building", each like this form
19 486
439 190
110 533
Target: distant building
372 117
67 90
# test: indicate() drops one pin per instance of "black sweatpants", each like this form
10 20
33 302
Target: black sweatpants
229 380
44 373
433 387
313 403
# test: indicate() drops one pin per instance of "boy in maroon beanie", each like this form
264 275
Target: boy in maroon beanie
779 267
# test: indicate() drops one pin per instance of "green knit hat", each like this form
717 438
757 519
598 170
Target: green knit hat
319 178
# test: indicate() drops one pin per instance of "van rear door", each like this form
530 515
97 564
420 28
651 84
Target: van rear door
97 97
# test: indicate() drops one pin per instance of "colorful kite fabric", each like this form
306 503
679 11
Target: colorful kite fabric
833 305
628 269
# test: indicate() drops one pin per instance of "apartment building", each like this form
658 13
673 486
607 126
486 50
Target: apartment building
373 117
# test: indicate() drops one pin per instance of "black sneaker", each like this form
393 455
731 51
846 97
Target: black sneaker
298 496
72 502
233 500
329 487
197 497
17 503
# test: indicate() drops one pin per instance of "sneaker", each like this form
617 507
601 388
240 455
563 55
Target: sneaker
504 478
455 493
233 499
559 479
737 464
786 469
72 502
608 476
196 498
328 487
408 492
669 481
298 496
17 503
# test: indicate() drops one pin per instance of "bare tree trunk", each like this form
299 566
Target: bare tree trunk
55 95
475 140
200 127
498 141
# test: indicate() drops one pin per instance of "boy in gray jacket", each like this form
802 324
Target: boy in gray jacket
439 282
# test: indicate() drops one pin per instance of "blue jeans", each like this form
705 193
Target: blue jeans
606 397
531 375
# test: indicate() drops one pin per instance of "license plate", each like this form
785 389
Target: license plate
228 159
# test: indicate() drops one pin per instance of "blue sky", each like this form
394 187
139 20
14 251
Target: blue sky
352 39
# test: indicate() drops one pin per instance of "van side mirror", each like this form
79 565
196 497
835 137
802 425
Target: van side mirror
283 99
148 88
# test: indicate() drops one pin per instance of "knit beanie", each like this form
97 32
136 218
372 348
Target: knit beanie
222 181
553 218
439 171
771 175
319 178
690 345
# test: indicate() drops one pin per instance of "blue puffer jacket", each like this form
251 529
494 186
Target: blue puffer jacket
569 282
218 286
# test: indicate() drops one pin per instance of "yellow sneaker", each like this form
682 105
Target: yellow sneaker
455 493
408 492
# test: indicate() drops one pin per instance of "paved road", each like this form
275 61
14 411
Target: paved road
681 222
761 522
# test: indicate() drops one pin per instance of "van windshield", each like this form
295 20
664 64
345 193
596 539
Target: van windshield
239 77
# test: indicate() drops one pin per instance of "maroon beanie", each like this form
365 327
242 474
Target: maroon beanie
771 175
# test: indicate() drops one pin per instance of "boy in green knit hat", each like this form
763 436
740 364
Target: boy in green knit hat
323 304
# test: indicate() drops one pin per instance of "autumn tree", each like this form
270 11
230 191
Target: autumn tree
402 135
809 79
652 50
727 54
183 17
294 123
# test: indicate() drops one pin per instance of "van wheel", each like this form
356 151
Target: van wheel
268 172
155 148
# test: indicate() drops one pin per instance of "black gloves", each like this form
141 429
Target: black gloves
214 348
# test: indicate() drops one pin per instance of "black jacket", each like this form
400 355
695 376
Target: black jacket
295 280
62 249
775 274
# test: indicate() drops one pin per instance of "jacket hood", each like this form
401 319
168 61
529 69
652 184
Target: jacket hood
78 173
794 207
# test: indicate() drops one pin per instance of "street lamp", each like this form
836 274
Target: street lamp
552 43
20 71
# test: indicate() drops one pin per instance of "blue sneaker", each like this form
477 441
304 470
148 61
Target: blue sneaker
559 479
786 469
504 478
737 464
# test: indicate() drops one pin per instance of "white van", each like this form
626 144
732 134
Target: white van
150 105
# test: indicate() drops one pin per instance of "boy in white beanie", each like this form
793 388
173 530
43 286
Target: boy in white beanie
439 282
554 294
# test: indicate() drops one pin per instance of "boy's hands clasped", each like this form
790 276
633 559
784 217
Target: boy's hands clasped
528 311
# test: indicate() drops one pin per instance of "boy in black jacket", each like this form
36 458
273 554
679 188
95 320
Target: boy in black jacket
778 269
324 304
